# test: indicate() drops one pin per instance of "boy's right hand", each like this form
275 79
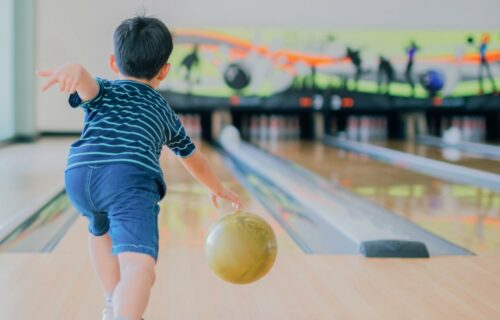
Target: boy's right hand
227 195
199 167
71 78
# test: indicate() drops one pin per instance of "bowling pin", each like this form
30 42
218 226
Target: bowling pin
263 127
289 127
353 128
457 123
254 128
281 128
273 128
364 133
467 129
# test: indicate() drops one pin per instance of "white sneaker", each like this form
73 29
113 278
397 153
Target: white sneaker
107 313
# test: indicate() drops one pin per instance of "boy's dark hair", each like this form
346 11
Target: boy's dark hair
142 47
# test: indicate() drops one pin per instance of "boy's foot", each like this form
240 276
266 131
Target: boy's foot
107 313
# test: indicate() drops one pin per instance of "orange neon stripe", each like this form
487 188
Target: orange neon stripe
310 59
291 56
492 56
216 36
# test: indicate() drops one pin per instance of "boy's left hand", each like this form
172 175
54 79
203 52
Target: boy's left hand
68 76
71 78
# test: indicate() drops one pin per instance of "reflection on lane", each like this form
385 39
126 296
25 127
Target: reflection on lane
43 230
449 155
466 215
186 212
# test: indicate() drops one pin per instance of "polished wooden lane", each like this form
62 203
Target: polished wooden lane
30 174
449 155
466 215
62 286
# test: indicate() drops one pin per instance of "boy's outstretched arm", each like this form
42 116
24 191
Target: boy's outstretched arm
197 164
71 77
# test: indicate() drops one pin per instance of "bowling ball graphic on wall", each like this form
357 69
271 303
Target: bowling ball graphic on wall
241 247
433 81
237 76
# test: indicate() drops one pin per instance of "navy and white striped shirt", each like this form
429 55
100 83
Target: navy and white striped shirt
127 122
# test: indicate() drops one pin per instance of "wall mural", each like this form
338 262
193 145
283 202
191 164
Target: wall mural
418 64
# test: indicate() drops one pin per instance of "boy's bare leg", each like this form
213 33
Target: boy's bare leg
131 295
105 264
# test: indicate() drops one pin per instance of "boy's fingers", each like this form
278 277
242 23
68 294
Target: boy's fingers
73 88
214 200
234 198
231 196
45 73
68 85
62 84
49 83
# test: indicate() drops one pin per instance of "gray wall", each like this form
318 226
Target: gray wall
24 65
17 64
6 75
81 31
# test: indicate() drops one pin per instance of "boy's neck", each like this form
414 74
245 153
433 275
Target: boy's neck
153 83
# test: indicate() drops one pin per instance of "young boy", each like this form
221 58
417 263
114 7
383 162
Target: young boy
113 175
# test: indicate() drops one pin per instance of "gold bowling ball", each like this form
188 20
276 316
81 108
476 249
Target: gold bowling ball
241 247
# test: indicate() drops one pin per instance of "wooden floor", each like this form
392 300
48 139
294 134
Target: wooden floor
61 284
30 175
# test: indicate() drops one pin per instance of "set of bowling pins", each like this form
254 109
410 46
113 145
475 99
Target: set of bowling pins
366 128
192 124
472 129
271 127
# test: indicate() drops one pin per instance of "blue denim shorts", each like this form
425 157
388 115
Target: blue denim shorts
121 199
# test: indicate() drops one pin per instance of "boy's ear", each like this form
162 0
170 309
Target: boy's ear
112 64
164 72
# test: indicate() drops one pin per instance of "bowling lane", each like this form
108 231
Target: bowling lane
443 154
466 215
30 175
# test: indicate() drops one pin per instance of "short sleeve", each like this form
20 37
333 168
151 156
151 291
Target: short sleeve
75 101
179 143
